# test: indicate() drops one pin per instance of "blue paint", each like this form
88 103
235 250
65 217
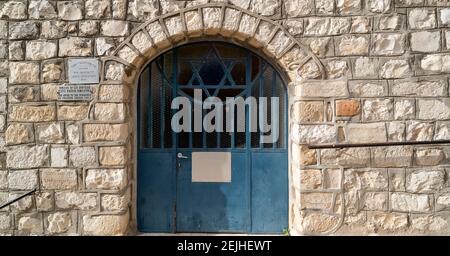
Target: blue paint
256 199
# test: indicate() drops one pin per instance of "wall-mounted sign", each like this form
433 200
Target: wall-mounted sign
83 71
75 92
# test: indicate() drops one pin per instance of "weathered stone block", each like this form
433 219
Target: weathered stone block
113 93
419 131
352 45
30 224
397 179
75 46
58 156
346 157
40 50
310 179
421 18
23 73
23 180
314 133
367 88
109 112
366 133
425 41
32 113
70 10
72 112
395 69
375 201
106 179
388 44
23 30
330 88
298 8
73 134
423 181
60 179
105 132
426 88
433 109
429 224
404 202
76 200
318 201
378 109
404 109
41 9
365 67
349 6
308 111
102 225
88 28
112 156
60 222
387 222
27 156
44 201
53 29
347 107
50 133
18 133
396 156
114 28
114 202
97 9
396 131
82 156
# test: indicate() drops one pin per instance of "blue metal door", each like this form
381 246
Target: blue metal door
254 199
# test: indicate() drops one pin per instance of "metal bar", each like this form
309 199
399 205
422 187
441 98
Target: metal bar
261 94
150 109
17 198
161 105
274 82
380 144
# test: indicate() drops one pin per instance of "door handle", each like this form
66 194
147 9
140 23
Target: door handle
180 155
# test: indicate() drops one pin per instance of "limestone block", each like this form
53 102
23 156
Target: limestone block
419 131
115 202
388 44
365 67
18 133
102 225
366 133
298 8
58 156
404 202
14 10
112 156
308 111
82 156
44 201
113 93
53 29
404 109
396 156
72 112
60 179
30 224
104 45
27 156
347 107
395 69
433 109
324 6
50 133
386 221
70 10
88 28
375 201
142 10
426 88
106 179
317 201
310 179
367 88
396 131
329 88
23 180
349 6
352 45
75 46
314 133
76 200
425 41
42 9
429 223
114 28
23 72
59 222
377 109
423 181
97 9
105 132
421 18
397 179
346 157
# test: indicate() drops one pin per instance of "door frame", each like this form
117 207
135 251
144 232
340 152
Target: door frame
134 116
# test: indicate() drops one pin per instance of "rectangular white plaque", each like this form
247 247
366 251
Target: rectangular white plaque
75 92
83 71
211 167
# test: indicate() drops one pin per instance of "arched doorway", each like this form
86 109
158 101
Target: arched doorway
232 177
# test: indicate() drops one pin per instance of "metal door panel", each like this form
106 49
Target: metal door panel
214 206
156 192
269 192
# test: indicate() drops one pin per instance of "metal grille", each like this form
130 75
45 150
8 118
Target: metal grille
219 70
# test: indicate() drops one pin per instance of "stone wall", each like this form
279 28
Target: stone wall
359 71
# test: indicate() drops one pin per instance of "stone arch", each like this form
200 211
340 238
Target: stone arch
218 20
212 21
